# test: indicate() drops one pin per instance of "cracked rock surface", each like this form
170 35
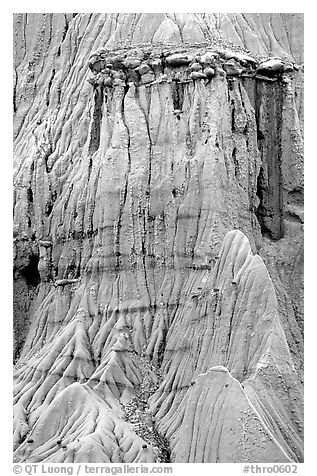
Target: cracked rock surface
158 238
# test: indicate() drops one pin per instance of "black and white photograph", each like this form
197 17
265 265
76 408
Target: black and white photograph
158 243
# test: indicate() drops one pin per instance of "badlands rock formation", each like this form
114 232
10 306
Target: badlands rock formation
158 215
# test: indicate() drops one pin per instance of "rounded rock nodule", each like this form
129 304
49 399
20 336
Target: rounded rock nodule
196 67
232 68
208 58
131 63
156 65
209 72
144 68
107 81
271 66
179 59
147 78
197 75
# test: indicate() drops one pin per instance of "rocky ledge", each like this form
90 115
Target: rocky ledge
147 65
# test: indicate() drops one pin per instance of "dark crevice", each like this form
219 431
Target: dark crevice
65 28
161 349
232 116
235 161
271 223
177 95
55 271
59 95
259 134
30 195
241 96
261 211
125 191
48 209
50 32
268 112
163 62
31 273
231 324
46 156
96 121
230 86
49 88
15 92
50 204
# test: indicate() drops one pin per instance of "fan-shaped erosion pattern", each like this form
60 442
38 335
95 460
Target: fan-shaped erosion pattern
158 238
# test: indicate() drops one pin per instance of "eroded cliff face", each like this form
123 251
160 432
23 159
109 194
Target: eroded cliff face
158 190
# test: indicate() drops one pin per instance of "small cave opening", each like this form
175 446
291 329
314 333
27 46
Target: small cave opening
31 273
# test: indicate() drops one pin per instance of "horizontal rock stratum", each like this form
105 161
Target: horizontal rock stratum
158 238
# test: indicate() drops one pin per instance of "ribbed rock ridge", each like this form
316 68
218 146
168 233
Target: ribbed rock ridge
158 215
